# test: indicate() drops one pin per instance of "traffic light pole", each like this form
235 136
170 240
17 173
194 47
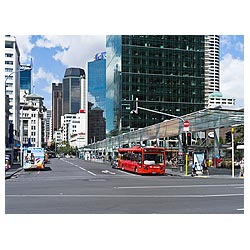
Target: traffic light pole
154 111
232 132
161 113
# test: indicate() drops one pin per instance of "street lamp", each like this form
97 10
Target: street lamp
23 68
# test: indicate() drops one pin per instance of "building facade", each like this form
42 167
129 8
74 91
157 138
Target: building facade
212 65
96 124
12 85
166 73
74 129
217 99
25 81
56 106
73 91
97 81
49 127
33 115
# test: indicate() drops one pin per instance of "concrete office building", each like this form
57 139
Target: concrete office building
166 73
56 106
74 128
33 115
212 65
96 124
12 85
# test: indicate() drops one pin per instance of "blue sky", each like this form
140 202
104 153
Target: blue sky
52 54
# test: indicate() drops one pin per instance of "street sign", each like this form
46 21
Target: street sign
186 124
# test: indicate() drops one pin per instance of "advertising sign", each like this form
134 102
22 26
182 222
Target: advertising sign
199 157
33 157
100 56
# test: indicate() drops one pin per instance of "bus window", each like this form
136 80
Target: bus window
157 158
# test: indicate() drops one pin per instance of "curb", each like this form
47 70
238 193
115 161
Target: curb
10 175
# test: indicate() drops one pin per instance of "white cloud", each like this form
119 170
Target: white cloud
25 46
48 77
232 78
74 51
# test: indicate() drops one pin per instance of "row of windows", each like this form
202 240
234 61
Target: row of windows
9 62
177 71
180 42
169 54
8 54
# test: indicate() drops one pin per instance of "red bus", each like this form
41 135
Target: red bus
142 160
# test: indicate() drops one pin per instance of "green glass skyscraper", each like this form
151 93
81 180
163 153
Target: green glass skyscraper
165 72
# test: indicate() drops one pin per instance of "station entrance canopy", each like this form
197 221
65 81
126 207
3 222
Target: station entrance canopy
206 119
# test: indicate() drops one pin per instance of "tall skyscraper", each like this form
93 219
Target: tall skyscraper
56 106
166 73
212 65
73 91
12 85
97 81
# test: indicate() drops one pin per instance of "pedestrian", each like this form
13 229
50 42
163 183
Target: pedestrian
204 167
242 167
194 167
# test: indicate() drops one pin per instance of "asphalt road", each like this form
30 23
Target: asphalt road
74 186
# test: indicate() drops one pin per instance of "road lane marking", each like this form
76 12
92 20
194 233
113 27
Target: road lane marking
182 186
107 172
122 196
91 173
127 173
240 209
87 171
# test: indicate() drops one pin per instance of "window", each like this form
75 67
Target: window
8 69
8 55
9 44
9 62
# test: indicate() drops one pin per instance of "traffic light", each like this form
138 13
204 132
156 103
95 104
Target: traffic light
183 139
228 137
189 138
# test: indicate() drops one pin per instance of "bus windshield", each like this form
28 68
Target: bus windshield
153 158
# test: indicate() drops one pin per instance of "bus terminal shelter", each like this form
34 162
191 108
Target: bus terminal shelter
162 134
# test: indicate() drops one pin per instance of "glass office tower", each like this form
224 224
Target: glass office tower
97 80
166 74
25 80
72 90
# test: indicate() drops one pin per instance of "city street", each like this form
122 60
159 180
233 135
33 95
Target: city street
74 186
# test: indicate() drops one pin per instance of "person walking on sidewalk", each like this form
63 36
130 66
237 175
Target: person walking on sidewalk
204 167
242 167
194 168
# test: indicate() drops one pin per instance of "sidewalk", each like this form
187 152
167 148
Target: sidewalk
15 168
213 172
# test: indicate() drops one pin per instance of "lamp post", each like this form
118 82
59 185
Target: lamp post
24 68
39 126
